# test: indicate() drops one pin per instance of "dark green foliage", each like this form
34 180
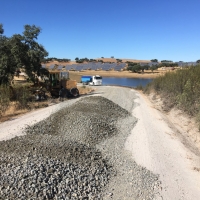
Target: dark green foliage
22 96
21 51
4 99
1 29
19 94
46 60
154 60
82 60
166 61
180 89
119 60
153 67
136 67
144 67
93 60
168 64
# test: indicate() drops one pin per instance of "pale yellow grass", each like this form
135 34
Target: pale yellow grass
13 112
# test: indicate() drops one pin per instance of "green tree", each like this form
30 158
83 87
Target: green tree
154 60
7 61
21 51
1 29
134 68
153 67
35 52
166 61
198 61
144 67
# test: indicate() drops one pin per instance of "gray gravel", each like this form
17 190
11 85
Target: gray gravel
78 153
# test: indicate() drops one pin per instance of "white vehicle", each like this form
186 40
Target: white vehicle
91 80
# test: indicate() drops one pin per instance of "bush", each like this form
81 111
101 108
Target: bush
19 94
180 89
4 99
22 96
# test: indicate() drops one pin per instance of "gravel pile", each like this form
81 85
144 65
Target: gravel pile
58 158
77 153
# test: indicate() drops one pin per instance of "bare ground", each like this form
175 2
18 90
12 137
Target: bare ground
166 144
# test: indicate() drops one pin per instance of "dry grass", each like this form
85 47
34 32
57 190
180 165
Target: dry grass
12 110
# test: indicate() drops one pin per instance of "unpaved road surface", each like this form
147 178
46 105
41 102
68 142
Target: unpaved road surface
110 145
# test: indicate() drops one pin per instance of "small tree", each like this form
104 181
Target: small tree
119 60
144 67
166 61
134 68
154 60
152 68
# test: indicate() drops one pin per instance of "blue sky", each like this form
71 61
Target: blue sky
133 29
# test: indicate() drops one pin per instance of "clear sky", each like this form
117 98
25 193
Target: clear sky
134 29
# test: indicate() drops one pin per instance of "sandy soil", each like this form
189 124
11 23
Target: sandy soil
155 145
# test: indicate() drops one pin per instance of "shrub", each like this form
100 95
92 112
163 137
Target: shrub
22 96
180 89
4 99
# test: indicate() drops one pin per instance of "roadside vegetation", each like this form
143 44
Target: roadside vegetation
17 99
22 98
179 89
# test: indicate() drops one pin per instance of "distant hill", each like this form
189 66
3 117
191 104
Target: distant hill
104 60
123 60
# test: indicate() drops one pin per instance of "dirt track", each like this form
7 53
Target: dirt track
150 159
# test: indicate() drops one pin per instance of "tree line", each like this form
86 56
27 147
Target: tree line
21 51
137 67
50 59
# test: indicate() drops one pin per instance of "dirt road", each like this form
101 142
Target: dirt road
154 144
151 149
